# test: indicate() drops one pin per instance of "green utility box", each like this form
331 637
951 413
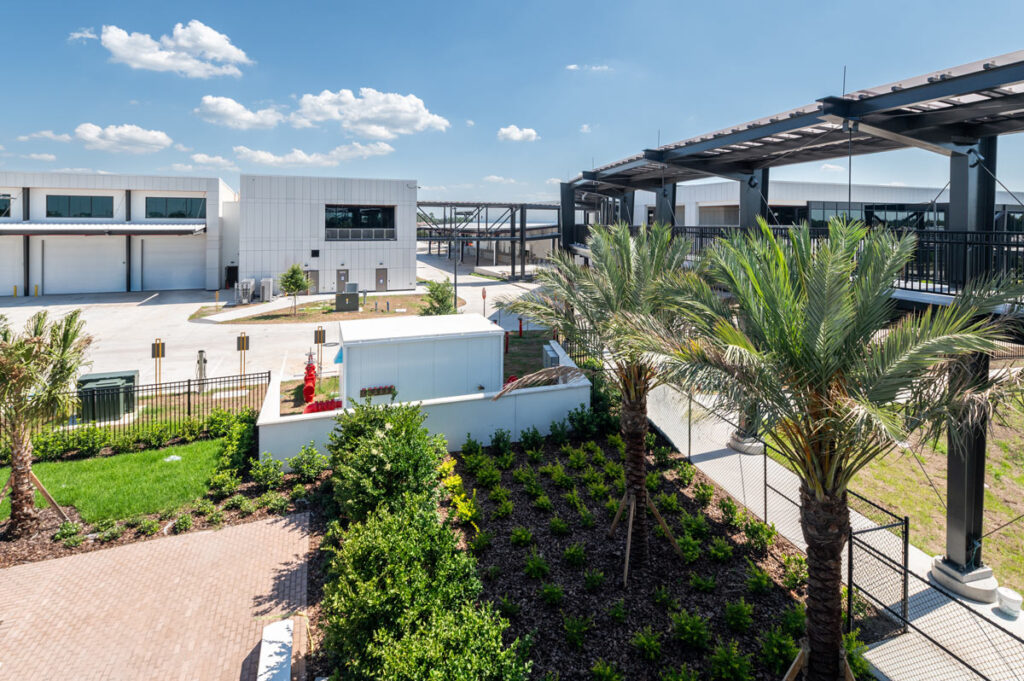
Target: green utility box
107 396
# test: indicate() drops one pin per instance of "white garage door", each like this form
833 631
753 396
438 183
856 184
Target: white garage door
11 274
173 262
83 264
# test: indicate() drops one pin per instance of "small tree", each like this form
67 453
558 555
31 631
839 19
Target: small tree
37 368
440 299
293 282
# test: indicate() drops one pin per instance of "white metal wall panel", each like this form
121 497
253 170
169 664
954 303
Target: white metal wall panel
11 269
173 262
83 264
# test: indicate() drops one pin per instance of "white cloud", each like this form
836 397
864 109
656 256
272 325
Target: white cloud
226 111
470 122
81 35
434 188
297 157
572 67
40 157
213 161
91 171
181 147
600 67
193 51
552 180
588 67
372 114
513 133
117 138
45 135
831 168
498 179
182 167
585 128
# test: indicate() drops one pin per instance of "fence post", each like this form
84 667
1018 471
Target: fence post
689 427
849 583
188 390
765 474
906 568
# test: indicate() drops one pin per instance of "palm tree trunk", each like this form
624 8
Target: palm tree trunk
23 511
634 431
826 526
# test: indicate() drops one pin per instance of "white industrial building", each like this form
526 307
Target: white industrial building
98 233
339 230
717 203
87 233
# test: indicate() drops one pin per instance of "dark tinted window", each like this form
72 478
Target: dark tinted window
58 206
362 223
175 208
5 208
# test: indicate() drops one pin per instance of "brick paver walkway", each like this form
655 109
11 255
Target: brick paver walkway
175 608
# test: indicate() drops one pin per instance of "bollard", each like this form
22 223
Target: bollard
520 327
37 290
15 290
388 304
216 296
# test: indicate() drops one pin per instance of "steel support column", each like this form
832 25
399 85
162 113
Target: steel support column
626 206
24 263
972 200
753 198
965 486
522 242
511 242
567 214
665 204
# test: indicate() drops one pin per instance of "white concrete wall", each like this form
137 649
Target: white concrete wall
453 417
425 368
229 226
282 223
11 270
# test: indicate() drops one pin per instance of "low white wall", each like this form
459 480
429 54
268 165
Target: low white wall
453 417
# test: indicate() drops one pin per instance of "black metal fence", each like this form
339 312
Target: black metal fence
929 632
121 410
945 260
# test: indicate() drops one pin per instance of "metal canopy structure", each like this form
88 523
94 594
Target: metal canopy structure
938 111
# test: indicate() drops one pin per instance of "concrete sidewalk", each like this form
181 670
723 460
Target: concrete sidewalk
908 657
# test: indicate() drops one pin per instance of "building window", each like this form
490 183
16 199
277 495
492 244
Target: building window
5 208
58 206
359 223
173 208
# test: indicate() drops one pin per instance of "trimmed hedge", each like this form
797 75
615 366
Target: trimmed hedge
88 441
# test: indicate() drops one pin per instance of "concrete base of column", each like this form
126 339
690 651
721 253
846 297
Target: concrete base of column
978 584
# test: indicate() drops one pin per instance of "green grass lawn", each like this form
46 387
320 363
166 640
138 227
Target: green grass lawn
524 354
124 485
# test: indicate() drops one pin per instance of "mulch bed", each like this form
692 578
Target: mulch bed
40 545
609 640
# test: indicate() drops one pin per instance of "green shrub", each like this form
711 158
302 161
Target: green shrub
543 503
758 580
618 444
572 497
720 550
577 459
558 433
551 594
584 422
586 518
508 607
576 629
686 472
650 439
215 519
691 630
653 482
66 529
471 447
267 473
777 650
535 455
617 611
704 585
795 571
703 493
488 476
203 507
739 615
531 439
611 505
855 649
760 536
597 490
536 567
298 492
466 510
505 461
503 510
696 524
647 642
558 527
309 464
689 546
593 580
234 502
668 502
794 620
73 541
239 442
182 524
148 527
397 456
481 541
575 556
606 671
463 644
730 511
224 483
274 502
498 494
662 597
728 664
683 673
613 470
521 536
398 568
501 442
440 299
246 507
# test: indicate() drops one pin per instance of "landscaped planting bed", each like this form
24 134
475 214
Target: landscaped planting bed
543 513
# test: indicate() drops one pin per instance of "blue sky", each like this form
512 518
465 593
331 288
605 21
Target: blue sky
474 100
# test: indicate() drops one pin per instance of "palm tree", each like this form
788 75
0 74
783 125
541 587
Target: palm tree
589 306
807 330
37 370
